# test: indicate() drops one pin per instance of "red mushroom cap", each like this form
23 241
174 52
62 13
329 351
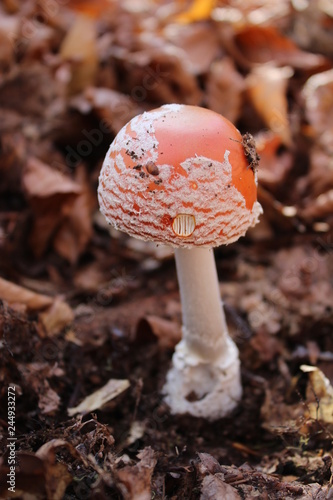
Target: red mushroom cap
179 175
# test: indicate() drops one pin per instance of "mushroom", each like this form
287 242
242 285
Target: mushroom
180 175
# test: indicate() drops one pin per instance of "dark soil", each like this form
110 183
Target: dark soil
84 308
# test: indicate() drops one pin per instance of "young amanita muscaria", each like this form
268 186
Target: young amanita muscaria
178 175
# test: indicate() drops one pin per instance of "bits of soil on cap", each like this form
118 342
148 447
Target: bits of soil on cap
250 151
137 167
152 168
132 154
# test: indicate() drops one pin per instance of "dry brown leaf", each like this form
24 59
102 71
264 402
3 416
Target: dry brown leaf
57 316
79 49
57 477
113 108
207 464
92 9
319 395
267 88
56 313
213 487
264 44
51 195
158 73
318 96
99 398
13 153
284 490
15 294
274 167
278 417
40 476
30 478
36 376
167 332
48 400
225 89
42 181
8 34
76 230
134 482
199 43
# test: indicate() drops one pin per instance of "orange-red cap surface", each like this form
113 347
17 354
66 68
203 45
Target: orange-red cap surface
178 175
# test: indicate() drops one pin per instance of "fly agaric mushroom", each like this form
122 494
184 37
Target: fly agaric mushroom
179 175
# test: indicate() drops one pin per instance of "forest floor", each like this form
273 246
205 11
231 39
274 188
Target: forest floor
89 317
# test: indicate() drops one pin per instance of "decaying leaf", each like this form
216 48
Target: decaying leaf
76 229
319 395
264 44
39 477
56 317
99 398
225 89
159 72
214 487
56 313
37 376
15 294
51 195
80 50
279 417
14 149
113 108
267 86
134 481
8 25
318 95
167 332
57 476
200 44
274 167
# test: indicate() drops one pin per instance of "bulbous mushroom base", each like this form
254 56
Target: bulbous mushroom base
201 388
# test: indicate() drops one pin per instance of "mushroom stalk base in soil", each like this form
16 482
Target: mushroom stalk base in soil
204 380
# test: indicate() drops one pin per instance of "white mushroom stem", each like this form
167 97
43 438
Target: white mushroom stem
205 377
204 325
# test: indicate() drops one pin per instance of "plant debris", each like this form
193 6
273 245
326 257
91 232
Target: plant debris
89 317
